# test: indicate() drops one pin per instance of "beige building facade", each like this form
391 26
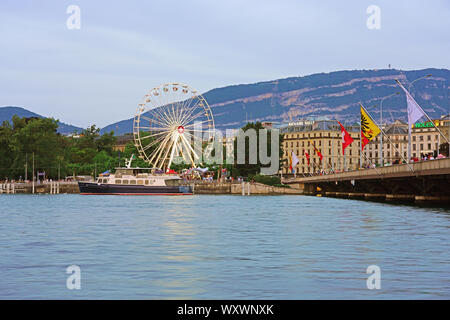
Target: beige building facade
325 135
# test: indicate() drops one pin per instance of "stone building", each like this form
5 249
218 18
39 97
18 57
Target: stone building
325 135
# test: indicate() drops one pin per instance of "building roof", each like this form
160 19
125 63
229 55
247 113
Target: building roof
397 128
320 125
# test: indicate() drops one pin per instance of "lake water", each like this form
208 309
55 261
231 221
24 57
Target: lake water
220 247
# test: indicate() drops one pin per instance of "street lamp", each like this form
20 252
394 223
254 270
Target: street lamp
381 124
411 83
409 127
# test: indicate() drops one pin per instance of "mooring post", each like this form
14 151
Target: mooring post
57 188
248 188
243 188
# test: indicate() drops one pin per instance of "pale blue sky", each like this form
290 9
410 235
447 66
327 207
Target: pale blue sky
98 74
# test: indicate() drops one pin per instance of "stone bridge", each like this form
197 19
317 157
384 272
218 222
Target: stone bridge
420 182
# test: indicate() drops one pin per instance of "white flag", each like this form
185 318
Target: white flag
294 160
415 112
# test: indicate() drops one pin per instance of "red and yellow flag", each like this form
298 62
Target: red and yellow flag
369 129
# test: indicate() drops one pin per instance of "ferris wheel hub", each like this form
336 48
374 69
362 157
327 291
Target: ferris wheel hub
180 129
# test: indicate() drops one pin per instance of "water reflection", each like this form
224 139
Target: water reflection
221 247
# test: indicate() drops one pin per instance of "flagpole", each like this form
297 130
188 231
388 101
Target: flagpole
360 145
424 113
345 161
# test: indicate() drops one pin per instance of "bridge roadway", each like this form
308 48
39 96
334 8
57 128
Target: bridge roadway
425 181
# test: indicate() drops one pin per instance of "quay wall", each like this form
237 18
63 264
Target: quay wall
43 188
199 188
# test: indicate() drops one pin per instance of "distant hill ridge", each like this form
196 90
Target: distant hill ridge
334 95
7 113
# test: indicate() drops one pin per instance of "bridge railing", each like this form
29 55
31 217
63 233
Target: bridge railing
439 166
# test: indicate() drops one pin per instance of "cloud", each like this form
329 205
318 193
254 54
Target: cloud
99 73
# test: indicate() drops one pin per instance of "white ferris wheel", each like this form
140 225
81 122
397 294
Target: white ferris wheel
167 121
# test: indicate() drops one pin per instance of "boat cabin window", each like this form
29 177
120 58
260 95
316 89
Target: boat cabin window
172 182
132 181
125 181
118 181
146 181
99 180
105 180
140 181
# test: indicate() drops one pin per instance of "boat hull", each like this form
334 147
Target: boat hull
93 188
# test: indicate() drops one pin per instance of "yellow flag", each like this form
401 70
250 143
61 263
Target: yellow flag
369 129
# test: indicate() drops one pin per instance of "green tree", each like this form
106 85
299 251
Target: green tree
36 136
6 152
247 169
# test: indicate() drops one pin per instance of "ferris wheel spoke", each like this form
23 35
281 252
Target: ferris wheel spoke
186 158
174 118
168 116
197 148
187 150
189 112
168 149
196 116
155 128
155 119
185 107
197 122
155 134
159 149
187 144
177 111
153 143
